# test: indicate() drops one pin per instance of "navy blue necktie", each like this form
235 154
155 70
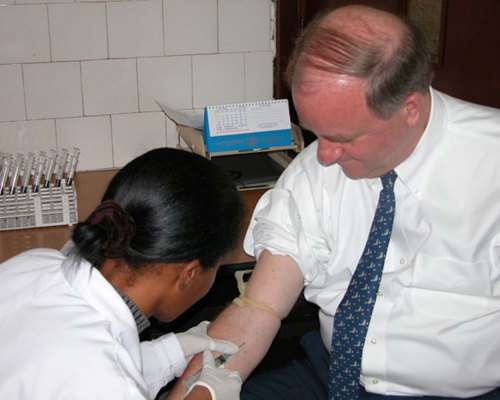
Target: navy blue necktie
354 312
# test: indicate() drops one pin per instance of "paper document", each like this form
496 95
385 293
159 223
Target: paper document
191 118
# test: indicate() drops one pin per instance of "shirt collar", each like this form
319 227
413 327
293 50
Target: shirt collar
411 171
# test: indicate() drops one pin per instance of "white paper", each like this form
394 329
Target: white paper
191 118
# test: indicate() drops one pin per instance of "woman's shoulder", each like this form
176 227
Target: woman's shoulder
31 264
40 255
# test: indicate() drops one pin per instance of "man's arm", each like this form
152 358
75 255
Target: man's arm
276 282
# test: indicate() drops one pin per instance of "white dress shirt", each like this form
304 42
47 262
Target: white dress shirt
435 328
66 333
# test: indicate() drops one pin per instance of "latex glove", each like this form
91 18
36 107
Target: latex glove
222 383
196 340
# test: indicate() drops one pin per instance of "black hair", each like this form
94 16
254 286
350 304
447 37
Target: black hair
184 208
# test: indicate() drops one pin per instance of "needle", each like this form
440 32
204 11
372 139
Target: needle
218 362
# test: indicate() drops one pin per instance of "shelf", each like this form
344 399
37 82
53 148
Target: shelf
194 140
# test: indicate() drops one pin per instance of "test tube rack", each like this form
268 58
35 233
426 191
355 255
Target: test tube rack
55 205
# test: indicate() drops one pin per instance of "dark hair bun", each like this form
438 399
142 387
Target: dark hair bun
167 205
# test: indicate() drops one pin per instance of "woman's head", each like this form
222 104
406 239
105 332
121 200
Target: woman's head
166 206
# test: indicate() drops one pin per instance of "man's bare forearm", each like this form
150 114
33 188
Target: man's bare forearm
276 283
243 323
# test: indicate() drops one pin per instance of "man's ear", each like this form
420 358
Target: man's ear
188 273
414 107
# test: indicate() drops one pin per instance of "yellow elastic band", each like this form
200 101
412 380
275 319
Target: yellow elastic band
240 301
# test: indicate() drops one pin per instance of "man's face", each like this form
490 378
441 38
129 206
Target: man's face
348 132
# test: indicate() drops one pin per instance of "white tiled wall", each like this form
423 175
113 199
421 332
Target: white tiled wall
86 73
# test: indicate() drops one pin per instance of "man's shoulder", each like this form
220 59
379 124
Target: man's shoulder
464 113
306 170
308 155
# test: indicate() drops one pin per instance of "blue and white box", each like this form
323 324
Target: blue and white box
247 126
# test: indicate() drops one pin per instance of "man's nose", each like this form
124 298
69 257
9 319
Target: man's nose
328 152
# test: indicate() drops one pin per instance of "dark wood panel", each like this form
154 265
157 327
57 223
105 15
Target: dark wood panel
471 54
287 27
396 6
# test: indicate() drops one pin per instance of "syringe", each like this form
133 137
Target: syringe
218 362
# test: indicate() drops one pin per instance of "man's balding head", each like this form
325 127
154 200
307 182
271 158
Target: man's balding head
386 51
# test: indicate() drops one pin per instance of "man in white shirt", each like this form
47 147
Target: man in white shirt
360 81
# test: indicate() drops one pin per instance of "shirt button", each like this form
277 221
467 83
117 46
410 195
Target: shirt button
298 216
402 261
375 381
373 340
380 293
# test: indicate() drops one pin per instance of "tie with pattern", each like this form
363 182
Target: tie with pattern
354 312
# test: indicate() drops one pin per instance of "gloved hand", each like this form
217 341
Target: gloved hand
196 340
222 383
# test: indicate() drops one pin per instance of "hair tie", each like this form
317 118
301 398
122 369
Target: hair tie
118 224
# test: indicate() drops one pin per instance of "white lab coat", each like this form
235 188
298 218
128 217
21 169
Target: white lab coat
65 333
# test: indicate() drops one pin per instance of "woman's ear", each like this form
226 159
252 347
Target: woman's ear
188 274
